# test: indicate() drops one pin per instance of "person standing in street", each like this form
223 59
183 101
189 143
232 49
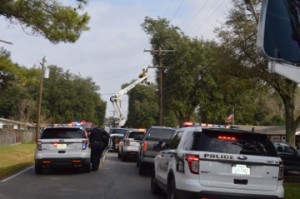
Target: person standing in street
96 137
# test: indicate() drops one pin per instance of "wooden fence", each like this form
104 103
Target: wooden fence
15 136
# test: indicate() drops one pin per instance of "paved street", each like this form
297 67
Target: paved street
115 180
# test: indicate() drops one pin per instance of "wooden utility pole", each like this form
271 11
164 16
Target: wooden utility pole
37 134
160 66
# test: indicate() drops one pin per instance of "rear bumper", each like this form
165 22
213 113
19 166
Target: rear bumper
132 154
64 162
223 195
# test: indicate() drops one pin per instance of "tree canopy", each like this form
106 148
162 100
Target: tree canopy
50 19
66 97
195 84
241 59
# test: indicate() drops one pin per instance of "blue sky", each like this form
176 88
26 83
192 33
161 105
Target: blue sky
112 51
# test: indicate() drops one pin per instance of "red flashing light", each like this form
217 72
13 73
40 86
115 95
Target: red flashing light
186 124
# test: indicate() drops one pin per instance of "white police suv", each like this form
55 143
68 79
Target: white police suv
62 146
218 163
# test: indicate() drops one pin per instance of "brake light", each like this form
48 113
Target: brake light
84 144
127 142
281 171
145 145
39 145
193 162
117 141
222 137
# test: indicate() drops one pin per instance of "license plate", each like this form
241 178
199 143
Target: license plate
61 146
240 169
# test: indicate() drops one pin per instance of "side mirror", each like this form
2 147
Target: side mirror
278 31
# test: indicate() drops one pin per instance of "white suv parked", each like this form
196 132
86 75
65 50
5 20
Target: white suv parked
62 146
129 146
216 163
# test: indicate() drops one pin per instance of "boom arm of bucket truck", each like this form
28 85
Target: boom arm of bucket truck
116 99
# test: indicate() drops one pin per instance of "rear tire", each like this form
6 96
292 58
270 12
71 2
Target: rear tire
142 168
87 168
38 169
123 156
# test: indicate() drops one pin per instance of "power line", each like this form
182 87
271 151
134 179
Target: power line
178 8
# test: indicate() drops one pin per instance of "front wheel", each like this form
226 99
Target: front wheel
172 190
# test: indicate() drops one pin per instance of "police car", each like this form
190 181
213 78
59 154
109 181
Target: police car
213 162
62 146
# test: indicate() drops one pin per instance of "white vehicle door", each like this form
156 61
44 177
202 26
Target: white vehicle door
166 158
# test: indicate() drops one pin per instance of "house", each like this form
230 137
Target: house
12 124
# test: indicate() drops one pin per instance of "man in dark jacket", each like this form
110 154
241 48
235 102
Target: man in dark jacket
97 139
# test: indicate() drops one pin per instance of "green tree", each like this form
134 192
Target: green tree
7 69
142 107
50 19
241 58
68 97
195 86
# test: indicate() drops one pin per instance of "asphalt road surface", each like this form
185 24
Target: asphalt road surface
114 180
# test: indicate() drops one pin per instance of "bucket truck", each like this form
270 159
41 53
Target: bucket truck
116 99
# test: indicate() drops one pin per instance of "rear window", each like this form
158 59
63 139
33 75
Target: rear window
134 134
118 131
233 142
57 133
157 133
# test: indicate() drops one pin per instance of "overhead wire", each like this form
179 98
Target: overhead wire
205 20
177 10
190 21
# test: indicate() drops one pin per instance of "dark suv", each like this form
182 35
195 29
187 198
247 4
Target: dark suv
290 157
148 148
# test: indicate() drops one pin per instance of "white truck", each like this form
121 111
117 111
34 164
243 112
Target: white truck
116 99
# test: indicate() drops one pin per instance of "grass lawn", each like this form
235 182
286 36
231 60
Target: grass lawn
14 158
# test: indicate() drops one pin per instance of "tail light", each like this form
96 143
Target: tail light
145 145
127 142
193 162
39 145
117 140
281 171
84 144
